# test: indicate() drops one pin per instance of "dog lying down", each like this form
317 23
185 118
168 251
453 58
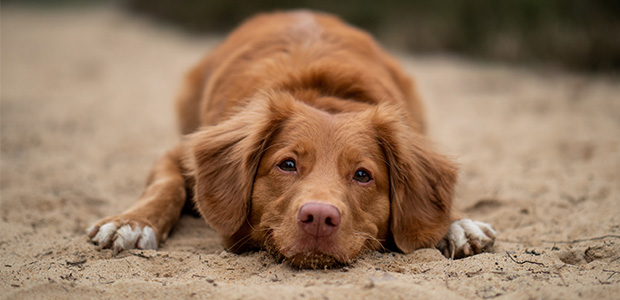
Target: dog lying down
304 138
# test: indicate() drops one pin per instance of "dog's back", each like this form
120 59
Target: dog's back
311 55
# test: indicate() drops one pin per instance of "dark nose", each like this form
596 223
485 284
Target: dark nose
318 219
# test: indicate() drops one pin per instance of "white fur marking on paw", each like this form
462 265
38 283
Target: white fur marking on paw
456 235
126 237
472 230
105 234
466 237
147 239
486 229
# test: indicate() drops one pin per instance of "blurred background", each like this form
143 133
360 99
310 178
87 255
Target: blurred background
580 35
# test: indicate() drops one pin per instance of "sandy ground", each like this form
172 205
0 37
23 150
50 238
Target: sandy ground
87 107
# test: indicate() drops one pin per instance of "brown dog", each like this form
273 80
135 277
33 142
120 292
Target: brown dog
304 138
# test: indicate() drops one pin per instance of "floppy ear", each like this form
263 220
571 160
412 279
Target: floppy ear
225 158
421 182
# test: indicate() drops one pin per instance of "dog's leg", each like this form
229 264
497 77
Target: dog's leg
466 237
149 221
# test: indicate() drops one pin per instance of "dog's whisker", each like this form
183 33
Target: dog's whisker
367 237
241 241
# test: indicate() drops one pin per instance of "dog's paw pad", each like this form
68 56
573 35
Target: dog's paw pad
466 237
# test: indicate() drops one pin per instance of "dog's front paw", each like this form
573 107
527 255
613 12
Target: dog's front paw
466 237
121 233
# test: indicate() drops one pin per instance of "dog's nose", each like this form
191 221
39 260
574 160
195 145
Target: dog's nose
318 219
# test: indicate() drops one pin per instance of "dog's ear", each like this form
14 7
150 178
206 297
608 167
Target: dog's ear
421 182
224 159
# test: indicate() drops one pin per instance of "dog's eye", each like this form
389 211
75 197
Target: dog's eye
288 166
362 176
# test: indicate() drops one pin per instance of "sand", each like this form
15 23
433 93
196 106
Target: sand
86 108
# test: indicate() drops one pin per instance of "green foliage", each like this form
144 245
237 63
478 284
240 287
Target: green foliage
581 34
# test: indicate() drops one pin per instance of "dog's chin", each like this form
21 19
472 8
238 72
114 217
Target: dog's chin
314 260
311 259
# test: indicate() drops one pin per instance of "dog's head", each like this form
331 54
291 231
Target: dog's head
317 188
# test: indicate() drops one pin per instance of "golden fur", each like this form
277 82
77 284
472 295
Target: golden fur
306 87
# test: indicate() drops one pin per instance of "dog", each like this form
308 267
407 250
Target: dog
303 137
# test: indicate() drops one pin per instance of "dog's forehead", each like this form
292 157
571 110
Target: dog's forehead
328 131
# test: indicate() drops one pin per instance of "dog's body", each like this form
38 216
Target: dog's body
307 139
